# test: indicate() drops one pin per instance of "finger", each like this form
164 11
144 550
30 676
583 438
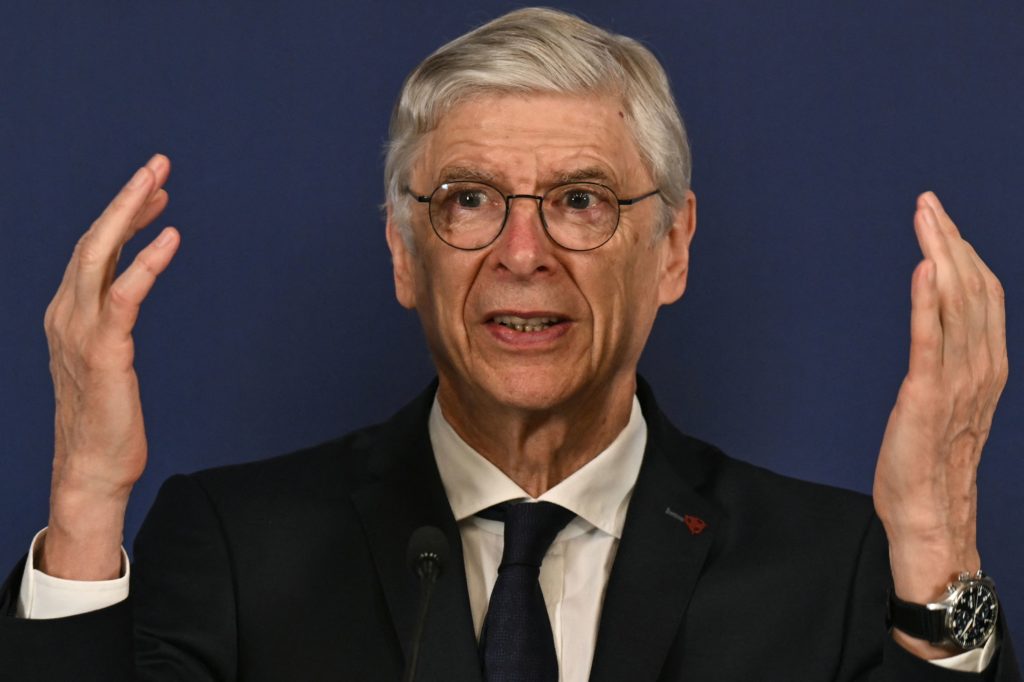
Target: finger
926 337
974 299
929 237
128 291
153 208
963 254
161 167
932 200
953 314
99 246
62 305
957 312
974 287
995 317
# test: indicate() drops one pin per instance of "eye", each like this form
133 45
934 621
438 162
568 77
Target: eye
470 198
580 199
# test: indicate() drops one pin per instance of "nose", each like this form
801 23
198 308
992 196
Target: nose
523 247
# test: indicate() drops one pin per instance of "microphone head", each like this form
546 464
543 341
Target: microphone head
427 545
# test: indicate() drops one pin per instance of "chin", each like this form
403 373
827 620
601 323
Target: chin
532 388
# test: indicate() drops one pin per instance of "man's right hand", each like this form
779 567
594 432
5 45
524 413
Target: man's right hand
100 440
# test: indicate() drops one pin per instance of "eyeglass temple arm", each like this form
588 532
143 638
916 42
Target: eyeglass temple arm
418 197
630 202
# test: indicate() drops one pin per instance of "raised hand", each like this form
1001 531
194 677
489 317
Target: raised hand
100 440
925 488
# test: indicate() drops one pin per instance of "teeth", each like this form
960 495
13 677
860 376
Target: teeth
523 324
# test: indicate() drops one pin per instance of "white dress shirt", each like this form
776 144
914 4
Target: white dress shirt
573 577
575 571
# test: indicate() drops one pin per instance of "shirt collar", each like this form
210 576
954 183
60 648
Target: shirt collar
598 492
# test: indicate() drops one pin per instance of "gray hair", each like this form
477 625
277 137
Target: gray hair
537 50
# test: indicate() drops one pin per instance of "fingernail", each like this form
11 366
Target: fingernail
137 179
164 239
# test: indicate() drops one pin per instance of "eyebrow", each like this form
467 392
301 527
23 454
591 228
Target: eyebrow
587 174
449 173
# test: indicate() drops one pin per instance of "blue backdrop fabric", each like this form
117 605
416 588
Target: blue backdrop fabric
814 127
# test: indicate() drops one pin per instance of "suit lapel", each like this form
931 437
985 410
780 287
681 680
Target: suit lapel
668 531
407 494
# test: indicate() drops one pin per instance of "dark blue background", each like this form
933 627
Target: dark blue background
814 127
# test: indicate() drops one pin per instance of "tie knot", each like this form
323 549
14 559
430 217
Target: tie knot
530 528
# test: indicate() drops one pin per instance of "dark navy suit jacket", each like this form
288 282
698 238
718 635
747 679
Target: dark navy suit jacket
294 569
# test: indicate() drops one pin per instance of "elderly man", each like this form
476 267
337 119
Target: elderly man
539 214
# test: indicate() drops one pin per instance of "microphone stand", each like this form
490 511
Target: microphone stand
426 554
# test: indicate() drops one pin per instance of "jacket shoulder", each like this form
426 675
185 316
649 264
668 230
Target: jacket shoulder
735 480
324 473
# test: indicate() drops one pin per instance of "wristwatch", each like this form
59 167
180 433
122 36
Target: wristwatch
965 617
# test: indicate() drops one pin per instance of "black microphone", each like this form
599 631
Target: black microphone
426 555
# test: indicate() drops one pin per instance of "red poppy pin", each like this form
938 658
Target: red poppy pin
695 524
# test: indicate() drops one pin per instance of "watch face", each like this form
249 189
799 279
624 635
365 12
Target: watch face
973 616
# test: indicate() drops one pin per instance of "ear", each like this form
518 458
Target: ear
401 263
676 265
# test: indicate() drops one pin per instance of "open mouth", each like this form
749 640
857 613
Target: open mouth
526 324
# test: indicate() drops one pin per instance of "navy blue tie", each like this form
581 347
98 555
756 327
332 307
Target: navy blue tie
516 644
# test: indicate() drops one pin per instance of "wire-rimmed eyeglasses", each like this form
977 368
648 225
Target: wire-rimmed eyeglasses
579 216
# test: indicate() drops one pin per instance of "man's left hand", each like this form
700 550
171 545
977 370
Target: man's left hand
925 487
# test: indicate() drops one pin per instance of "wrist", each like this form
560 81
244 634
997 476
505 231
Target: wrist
922 572
84 536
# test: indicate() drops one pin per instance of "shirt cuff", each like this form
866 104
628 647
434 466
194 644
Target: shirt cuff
43 596
973 661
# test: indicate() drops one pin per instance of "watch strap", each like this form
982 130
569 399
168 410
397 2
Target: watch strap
917 620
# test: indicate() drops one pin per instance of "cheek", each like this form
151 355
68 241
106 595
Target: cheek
442 293
629 297
613 286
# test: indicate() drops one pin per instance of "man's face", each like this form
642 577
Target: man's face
588 313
